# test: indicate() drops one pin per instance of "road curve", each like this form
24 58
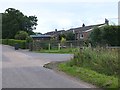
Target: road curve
24 69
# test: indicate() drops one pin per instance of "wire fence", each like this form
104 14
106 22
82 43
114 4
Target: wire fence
57 45
38 45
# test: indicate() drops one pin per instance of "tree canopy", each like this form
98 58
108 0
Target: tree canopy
13 21
67 36
106 35
70 36
21 35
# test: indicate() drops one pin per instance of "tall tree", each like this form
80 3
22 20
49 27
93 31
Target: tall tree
14 21
106 35
95 36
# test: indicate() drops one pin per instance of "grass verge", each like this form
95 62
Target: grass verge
101 80
61 51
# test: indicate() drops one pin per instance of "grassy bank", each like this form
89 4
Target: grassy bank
90 76
97 66
104 61
61 51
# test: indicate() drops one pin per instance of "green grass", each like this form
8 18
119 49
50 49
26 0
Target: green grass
90 76
61 51
103 61
97 66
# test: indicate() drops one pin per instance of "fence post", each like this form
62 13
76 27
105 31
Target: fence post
89 45
71 45
58 46
30 46
49 46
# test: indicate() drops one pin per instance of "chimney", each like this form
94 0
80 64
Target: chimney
106 21
83 25
55 30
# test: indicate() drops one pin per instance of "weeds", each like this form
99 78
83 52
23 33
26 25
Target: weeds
103 61
98 66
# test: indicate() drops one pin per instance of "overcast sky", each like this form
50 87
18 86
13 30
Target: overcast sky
65 14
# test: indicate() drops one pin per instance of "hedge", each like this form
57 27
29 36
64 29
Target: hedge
12 42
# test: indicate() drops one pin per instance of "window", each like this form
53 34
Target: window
81 36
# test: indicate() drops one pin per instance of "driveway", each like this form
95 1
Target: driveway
24 69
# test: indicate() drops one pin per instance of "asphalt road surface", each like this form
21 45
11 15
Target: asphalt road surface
24 69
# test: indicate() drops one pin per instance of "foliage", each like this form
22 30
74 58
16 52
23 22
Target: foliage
21 35
61 51
61 36
0 41
96 36
12 42
111 34
29 39
104 61
106 35
70 36
90 76
13 21
63 40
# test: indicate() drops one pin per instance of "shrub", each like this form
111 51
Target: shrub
105 35
21 35
12 42
0 41
29 39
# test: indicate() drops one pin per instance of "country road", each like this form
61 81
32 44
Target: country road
24 69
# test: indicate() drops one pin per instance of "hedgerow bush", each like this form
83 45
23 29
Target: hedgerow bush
12 42
0 41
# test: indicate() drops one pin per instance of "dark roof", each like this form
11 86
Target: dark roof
54 32
49 33
40 36
85 28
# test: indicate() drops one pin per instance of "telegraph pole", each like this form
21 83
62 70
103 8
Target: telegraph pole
119 13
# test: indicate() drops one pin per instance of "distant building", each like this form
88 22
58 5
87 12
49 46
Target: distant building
55 34
40 37
81 33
